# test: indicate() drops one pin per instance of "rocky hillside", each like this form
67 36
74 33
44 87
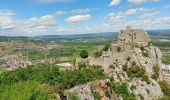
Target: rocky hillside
137 66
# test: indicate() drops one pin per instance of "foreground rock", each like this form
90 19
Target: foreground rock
90 91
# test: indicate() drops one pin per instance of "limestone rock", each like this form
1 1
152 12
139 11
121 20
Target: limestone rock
88 91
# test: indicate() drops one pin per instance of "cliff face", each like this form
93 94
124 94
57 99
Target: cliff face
152 57
139 73
146 58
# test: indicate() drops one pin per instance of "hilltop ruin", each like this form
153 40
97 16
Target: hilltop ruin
134 50
128 40
130 35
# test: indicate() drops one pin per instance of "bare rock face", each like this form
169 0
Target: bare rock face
91 91
152 57
147 91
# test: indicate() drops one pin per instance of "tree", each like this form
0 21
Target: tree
98 54
84 54
118 49
106 47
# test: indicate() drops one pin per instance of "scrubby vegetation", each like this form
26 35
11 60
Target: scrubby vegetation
121 89
118 49
44 74
73 96
28 90
139 72
166 89
106 47
98 54
155 75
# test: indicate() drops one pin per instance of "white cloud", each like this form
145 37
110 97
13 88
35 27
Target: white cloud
148 15
121 15
60 13
6 19
141 1
86 10
78 18
115 2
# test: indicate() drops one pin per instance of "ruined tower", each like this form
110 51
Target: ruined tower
130 35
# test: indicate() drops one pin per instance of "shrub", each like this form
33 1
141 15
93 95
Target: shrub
141 97
28 90
142 48
84 54
133 87
128 58
98 54
136 71
73 96
96 96
145 78
112 66
133 63
53 76
122 89
155 74
125 67
139 72
106 47
145 53
119 88
118 49
165 87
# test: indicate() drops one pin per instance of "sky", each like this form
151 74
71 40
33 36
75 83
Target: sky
60 17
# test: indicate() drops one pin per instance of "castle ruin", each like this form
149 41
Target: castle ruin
130 35
127 36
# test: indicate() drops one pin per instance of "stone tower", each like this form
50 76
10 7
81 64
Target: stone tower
130 35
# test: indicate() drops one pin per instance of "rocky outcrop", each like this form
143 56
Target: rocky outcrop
91 91
139 53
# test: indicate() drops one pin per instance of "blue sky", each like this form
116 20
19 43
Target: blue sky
53 17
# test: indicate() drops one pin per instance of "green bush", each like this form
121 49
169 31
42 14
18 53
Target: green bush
96 96
156 69
125 67
135 71
118 49
145 78
122 89
142 48
139 72
165 87
29 90
112 66
53 76
133 63
73 96
84 54
98 54
106 47
128 58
